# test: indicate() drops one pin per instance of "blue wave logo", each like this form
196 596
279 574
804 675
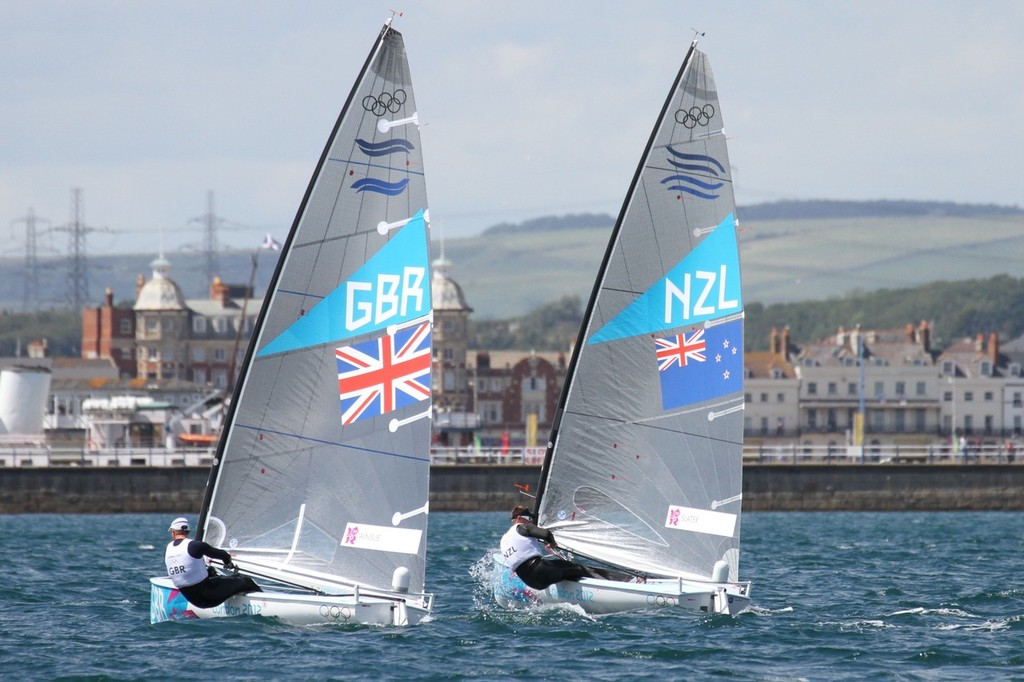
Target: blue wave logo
395 146
391 189
687 181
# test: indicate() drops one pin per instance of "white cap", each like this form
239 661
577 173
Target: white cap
180 523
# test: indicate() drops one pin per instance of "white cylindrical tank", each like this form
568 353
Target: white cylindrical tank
23 393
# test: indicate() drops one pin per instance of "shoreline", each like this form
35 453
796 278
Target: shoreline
490 487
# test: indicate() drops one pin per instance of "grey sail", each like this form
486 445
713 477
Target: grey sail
644 466
322 470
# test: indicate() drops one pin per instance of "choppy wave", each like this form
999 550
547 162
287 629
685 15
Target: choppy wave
917 596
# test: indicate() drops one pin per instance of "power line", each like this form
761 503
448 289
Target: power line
30 289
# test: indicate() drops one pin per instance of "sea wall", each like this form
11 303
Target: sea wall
772 487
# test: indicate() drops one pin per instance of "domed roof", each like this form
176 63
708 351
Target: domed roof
161 292
445 293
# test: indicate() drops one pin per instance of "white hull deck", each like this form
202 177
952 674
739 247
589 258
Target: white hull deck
378 608
600 597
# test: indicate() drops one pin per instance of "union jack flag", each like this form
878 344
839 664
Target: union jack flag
382 375
676 350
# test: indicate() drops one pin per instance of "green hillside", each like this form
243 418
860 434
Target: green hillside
511 270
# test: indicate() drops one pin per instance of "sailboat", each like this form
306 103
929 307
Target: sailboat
319 488
643 470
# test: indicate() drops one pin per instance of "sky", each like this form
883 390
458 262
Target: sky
528 108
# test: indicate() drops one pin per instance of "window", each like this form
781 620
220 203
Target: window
168 354
833 388
986 368
900 418
496 384
968 396
920 390
764 425
168 325
1017 400
746 397
901 389
851 389
220 325
919 420
948 369
449 353
152 325
879 390
153 353
126 327
199 376
812 388
448 326
198 353
198 325
947 396
989 424
780 397
988 396
763 397
218 355
812 419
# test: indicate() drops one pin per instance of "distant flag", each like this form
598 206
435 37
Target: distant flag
270 243
701 364
382 375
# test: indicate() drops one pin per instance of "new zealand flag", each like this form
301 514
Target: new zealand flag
700 365
382 375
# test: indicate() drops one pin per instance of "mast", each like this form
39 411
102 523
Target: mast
612 242
239 385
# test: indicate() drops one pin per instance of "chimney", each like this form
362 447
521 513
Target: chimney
108 297
993 348
979 342
909 334
785 343
773 341
219 292
925 336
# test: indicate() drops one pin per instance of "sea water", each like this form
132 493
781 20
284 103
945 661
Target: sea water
837 596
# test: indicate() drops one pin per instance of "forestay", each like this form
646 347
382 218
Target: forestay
322 472
644 470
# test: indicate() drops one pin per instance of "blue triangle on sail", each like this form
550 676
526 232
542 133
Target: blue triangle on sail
391 288
705 285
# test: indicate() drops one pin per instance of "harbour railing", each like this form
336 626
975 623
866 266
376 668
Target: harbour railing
39 455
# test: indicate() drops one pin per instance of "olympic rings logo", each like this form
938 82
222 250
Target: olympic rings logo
384 102
695 116
335 612
657 600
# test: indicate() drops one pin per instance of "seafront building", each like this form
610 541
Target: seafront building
858 387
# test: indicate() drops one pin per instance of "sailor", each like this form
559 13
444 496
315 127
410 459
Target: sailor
523 552
201 585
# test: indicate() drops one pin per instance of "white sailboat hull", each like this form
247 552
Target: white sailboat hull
167 603
600 597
